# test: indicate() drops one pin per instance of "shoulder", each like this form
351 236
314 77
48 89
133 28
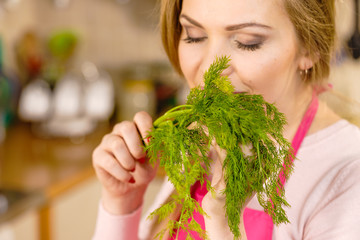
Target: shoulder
332 158
326 161
325 184
331 150
335 208
340 139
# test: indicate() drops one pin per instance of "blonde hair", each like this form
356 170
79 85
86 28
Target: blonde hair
314 22
171 29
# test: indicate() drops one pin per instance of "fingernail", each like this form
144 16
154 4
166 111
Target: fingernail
132 170
132 180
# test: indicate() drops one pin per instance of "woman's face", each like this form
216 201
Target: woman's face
257 35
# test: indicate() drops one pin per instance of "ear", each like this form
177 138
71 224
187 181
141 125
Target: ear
307 60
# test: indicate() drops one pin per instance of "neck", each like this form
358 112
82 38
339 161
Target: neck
295 109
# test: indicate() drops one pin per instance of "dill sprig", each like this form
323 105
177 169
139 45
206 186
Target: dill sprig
181 144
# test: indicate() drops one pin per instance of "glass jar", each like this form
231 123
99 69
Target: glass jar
137 93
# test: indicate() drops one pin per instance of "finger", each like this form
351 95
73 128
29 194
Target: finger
116 146
220 151
144 123
129 133
105 161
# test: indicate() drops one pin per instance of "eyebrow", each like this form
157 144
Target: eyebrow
244 25
230 27
192 21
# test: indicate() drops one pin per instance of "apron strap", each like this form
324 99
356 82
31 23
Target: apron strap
302 131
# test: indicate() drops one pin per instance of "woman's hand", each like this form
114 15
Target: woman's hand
121 166
214 204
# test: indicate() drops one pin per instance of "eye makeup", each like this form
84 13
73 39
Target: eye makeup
249 42
248 47
193 35
193 32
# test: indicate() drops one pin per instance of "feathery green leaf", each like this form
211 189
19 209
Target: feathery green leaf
181 145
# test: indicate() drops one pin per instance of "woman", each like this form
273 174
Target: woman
280 49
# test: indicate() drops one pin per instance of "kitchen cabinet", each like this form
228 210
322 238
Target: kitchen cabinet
65 216
25 226
62 191
59 181
73 214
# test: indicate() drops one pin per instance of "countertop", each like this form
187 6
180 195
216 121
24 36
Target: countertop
35 170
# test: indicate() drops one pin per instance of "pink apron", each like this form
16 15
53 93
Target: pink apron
258 224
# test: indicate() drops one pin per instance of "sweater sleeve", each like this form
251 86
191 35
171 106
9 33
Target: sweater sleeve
114 227
337 217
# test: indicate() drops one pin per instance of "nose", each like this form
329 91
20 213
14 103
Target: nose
216 50
228 70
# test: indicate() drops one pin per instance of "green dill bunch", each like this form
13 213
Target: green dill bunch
181 145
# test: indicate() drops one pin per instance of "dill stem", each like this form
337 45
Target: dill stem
172 113
259 159
186 106
178 230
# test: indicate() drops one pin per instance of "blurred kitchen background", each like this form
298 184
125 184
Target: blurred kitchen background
69 70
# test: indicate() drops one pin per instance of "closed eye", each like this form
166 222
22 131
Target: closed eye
248 47
194 40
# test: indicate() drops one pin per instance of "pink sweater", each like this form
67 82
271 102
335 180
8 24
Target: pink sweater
323 191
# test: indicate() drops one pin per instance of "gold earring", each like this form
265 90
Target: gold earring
304 74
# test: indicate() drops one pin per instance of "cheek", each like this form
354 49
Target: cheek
189 64
269 74
271 82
